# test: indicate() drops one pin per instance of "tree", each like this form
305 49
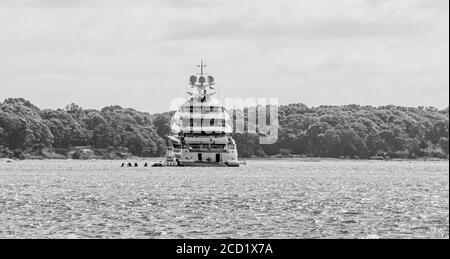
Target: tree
443 143
162 124
375 144
438 130
23 128
315 138
66 130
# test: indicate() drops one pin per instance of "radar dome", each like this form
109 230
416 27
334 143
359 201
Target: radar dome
210 79
193 79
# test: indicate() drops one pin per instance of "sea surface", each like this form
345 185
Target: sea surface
263 199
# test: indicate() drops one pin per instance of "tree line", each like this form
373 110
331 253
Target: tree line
355 131
24 128
350 131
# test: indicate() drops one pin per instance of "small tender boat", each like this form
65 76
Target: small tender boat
159 164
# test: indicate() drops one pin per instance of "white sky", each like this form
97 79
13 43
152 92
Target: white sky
140 53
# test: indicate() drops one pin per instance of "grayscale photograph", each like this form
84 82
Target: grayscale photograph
236 120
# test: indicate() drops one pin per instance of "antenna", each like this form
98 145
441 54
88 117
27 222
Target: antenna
201 66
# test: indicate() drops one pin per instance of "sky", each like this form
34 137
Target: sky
140 53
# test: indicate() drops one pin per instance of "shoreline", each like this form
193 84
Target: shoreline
317 159
303 159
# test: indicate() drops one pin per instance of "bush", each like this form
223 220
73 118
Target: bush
285 152
443 143
5 152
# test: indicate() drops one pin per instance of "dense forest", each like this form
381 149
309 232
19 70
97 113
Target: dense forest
350 131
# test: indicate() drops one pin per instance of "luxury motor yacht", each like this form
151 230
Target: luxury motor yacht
201 130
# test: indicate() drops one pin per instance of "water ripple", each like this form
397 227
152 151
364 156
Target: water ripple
265 199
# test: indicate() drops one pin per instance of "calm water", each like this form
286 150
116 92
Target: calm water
265 199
